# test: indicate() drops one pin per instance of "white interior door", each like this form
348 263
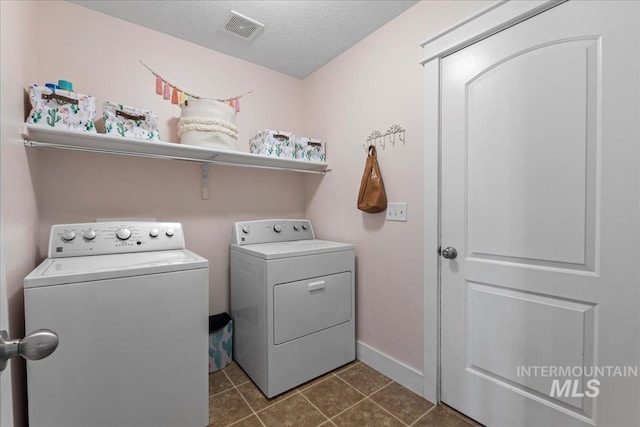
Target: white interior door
540 197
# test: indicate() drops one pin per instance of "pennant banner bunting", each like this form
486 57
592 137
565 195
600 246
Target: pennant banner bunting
176 95
167 90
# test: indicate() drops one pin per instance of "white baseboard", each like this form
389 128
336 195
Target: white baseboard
400 373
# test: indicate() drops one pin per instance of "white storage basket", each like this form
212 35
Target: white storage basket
61 109
130 122
273 143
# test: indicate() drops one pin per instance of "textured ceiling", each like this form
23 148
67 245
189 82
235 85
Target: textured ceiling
299 36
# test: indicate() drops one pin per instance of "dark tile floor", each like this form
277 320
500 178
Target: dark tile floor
354 395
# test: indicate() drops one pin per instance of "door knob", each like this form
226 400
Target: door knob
35 346
449 253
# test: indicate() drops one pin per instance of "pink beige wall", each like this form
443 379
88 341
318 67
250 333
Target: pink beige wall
100 54
19 205
375 84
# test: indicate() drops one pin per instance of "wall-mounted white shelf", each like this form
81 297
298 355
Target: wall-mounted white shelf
40 136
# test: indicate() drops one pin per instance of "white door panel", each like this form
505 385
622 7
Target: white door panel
507 326
540 196
515 210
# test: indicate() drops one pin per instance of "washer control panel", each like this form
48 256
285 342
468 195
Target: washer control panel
271 231
114 237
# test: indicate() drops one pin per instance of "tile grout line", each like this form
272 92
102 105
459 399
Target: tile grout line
345 369
346 409
384 409
353 387
368 397
253 412
327 418
229 378
300 390
423 415
381 388
230 382
276 403
235 387
241 419
364 397
316 408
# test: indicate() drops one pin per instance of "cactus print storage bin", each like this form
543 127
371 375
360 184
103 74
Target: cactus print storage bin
61 109
311 149
273 143
220 341
125 121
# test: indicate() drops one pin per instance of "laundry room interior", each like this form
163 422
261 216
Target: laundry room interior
375 91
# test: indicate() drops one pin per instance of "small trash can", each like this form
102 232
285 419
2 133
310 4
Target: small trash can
220 341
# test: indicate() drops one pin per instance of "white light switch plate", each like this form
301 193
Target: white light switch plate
397 211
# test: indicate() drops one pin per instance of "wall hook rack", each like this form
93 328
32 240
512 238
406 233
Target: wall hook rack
381 139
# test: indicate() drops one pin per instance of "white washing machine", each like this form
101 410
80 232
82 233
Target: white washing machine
130 305
292 303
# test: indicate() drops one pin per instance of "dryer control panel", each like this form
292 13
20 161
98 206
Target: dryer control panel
271 231
114 237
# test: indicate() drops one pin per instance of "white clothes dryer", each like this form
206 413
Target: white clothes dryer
130 306
292 303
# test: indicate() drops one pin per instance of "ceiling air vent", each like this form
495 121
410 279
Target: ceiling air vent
242 26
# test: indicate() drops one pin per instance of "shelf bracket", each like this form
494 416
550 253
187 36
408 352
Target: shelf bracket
205 181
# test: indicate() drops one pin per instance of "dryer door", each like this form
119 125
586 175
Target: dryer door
307 306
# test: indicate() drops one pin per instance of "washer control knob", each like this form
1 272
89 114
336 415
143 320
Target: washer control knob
277 228
68 236
304 226
123 233
89 235
170 232
296 227
154 232
245 229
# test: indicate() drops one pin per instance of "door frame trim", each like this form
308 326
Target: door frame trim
487 22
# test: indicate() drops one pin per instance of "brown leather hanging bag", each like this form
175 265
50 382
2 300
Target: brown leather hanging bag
372 197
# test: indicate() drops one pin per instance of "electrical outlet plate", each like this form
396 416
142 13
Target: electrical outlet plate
397 211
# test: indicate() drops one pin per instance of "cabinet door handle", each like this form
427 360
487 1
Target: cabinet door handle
314 286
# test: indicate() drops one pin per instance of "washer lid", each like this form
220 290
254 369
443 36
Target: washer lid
292 249
100 267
